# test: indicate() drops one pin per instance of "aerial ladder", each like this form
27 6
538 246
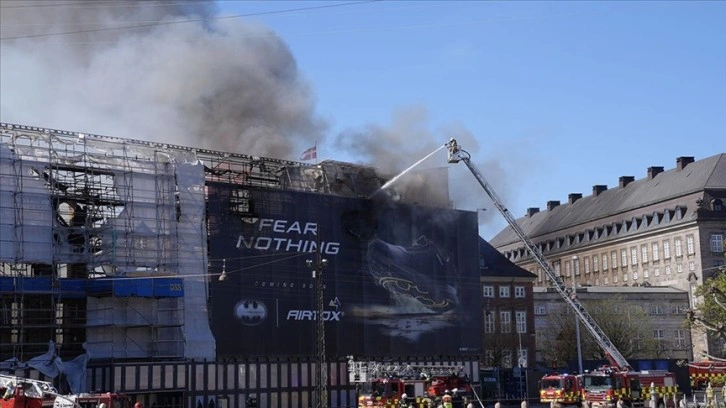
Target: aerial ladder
457 154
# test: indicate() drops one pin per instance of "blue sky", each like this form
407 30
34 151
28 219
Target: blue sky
550 98
564 95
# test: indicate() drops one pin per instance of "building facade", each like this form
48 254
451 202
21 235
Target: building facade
654 314
194 278
508 327
665 229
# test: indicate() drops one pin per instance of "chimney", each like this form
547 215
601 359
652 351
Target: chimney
552 204
654 171
625 180
683 161
532 211
573 197
598 188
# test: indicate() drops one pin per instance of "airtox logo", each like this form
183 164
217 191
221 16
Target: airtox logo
250 312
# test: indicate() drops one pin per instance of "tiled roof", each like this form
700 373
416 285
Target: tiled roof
708 173
494 264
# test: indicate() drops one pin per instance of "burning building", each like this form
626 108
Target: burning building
183 276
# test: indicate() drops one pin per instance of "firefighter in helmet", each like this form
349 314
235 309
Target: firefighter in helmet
448 402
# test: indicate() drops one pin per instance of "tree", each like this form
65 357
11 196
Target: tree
623 323
710 314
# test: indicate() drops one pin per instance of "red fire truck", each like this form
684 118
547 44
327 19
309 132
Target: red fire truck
561 389
390 385
708 371
20 392
607 385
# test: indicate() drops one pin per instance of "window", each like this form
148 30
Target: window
644 253
522 357
678 246
587 266
635 275
519 292
624 257
625 277
596 263
604 262
488 322
667 269
680 339
507 358
656 309
505 321
679 309
716 243
521 317
576 266
679 267
666 249
504 291
633 256
605 280
691 266
488 291
614 259
690 245
646 274
656 271
558 269
615 278
540 310
568 268
658 334
636 341
489 357
655 251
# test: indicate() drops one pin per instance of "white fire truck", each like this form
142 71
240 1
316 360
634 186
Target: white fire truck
607 385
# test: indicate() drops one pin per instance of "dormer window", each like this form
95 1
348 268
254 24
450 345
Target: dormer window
717 204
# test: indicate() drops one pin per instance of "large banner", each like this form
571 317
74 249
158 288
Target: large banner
398 279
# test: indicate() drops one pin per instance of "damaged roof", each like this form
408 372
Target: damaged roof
708 173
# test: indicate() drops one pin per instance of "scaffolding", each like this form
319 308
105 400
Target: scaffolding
103 241
88 224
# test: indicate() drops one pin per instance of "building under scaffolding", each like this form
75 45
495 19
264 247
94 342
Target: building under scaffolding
111 248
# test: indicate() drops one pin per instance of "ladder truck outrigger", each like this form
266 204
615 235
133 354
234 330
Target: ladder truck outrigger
604 387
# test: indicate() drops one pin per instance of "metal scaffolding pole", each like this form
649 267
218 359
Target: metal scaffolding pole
321 383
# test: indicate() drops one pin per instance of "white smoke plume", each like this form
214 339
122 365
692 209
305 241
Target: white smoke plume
224 84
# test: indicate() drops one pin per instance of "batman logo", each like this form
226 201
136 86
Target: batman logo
250 312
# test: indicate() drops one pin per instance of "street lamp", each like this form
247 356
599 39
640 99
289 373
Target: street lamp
577 317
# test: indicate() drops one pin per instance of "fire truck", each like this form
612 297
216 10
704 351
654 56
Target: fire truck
608 385
561 389
708 371
394 385
20 392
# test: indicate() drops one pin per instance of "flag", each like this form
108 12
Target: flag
310 154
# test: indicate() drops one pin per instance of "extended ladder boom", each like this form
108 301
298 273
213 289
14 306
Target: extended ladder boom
456 154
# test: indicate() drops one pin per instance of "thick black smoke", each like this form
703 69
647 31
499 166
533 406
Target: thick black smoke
224 84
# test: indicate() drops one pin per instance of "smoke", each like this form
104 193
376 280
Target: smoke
411 137
223 84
